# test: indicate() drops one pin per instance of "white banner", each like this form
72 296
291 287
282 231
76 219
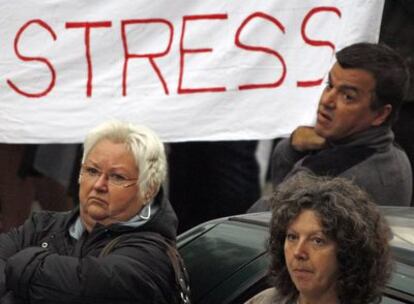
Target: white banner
190 70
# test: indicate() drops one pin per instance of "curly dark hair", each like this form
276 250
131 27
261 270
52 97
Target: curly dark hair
350 218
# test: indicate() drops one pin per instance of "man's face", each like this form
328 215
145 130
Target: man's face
344 108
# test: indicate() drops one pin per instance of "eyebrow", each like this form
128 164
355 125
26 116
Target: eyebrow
349 88
345 86
313 232
113 169
90 163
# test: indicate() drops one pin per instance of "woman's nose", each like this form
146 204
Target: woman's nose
101 183
300 250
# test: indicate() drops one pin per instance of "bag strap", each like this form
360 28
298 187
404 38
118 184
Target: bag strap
181 275
182 280
108 247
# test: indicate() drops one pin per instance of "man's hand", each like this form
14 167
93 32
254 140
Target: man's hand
306 139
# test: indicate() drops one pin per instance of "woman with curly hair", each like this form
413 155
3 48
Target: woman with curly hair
328 244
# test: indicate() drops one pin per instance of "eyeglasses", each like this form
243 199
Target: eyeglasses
92 174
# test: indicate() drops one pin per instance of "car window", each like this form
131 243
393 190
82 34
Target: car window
224 259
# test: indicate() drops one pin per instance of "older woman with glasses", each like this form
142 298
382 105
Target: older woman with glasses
72 257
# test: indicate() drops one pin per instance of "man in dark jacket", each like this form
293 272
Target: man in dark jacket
60 257
352 137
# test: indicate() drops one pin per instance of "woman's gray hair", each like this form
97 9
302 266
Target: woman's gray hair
145 146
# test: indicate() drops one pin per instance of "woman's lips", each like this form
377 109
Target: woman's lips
302 273
98 200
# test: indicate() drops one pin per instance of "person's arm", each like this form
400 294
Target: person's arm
290 150
9 298
135 271
10 243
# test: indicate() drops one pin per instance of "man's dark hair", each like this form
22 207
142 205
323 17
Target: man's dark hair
350 218
388 68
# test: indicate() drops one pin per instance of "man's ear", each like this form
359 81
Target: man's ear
381 115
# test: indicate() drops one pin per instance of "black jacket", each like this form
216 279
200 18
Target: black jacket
40 262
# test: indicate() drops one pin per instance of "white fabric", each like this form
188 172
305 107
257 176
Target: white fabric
225 45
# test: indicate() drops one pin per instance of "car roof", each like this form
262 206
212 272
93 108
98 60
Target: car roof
400 219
